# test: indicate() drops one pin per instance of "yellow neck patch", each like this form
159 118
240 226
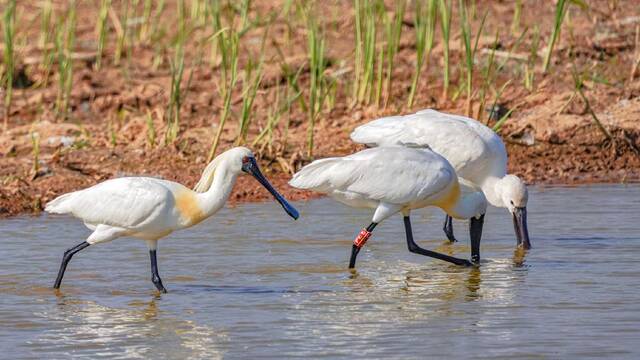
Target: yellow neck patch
187 205
449 200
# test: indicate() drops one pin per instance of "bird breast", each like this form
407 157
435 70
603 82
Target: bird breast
188 207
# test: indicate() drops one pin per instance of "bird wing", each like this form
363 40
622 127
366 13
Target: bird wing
123 202
395 175
472 148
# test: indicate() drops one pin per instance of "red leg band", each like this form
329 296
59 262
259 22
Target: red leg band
362 238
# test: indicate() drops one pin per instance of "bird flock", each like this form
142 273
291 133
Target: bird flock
410 162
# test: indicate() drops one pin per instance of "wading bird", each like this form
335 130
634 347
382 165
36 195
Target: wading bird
150 208
396 179
475 151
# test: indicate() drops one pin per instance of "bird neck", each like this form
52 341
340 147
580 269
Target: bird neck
216 196
491 189
467 206
458 204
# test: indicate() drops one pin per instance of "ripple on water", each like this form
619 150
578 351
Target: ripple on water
274 288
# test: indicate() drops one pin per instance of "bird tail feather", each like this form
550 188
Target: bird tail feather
314 176
60 205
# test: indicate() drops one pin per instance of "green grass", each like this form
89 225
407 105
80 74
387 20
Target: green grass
121 30
35 152
175 95
561 11
101 30
250 84
578 83
444 7
8 29
469 49
366 19
393 26
65 38
529 72
425 26
151 130
227 42
244 57
45 40
318 82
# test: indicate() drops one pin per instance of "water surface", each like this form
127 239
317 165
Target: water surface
250 282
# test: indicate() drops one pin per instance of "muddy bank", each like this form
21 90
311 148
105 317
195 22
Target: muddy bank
577 155
116 123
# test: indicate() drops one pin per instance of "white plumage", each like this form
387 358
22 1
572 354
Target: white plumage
475 151
390 180
150 208
134 206
399 177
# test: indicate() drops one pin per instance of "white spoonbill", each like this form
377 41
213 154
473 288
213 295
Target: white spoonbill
391 180
150 209
475 151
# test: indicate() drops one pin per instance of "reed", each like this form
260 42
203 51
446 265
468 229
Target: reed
121 30
488 77
35 152
101 30
517 12
145 27
151 130
366 18
113 137
250 83
318 83
578 83
157 33
265 137
45 41
530 73
64 44
175 95
469 49
445 29
393 28
425 25
227 40
498 125
561 11
8 29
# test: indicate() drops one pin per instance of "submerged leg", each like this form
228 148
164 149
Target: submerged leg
414 248
359 242
448 228
65 260
155 277
475 231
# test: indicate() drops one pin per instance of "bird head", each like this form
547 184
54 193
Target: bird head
515 196
242 159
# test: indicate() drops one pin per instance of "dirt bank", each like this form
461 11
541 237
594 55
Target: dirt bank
116 123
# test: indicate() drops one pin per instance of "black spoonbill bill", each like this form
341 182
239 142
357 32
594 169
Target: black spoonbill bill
396 179
475 151
150 209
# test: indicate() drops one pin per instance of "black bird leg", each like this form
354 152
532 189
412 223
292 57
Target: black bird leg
154 272
359 242
475 231
414 248
448 228
65 260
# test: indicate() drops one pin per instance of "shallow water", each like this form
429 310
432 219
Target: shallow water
250 282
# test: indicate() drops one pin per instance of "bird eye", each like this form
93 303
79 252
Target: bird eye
245 159
511 202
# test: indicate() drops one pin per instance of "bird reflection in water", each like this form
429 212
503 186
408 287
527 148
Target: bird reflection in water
519 257
109 329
